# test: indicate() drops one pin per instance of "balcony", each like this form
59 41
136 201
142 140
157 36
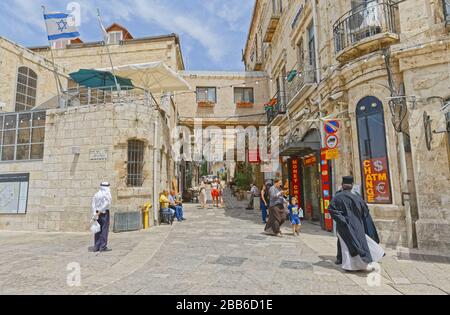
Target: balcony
271 19
206 104
365 29
82 96
276 107
297 81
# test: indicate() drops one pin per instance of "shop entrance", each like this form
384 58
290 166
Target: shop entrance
311 188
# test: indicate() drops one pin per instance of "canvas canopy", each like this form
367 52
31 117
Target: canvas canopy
155 77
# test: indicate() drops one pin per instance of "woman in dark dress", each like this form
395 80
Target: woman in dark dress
277 210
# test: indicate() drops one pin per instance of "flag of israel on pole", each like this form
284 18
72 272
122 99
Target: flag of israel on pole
59 27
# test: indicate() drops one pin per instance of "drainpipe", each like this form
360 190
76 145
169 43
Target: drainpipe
317 65
155 173
405 191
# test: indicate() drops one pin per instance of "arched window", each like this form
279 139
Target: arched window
135 167
26 89
373 151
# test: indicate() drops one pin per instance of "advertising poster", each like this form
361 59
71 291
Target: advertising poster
13 193
376 181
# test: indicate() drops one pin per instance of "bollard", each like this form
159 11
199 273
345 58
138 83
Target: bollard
146 215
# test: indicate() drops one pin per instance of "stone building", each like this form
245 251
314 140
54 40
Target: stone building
222 101
92 135
381 70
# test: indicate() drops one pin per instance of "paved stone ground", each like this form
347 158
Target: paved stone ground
216 251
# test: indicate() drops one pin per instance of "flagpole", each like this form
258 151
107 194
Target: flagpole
102 28
55 72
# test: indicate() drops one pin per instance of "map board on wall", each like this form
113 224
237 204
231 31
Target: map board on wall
14 193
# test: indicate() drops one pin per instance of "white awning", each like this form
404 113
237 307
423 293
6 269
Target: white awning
155 77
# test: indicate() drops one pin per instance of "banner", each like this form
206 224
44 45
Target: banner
376 181
326 189
295 179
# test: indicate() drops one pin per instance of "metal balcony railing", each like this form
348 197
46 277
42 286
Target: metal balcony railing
82 96
297 80
278 108
375 17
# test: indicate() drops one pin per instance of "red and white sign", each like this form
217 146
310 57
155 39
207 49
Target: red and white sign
332 142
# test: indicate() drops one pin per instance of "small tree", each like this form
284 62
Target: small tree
244 176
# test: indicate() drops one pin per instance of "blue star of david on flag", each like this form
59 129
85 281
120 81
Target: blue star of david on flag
62 25
59 28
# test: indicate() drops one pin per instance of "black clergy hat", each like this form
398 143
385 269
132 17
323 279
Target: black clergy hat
347 180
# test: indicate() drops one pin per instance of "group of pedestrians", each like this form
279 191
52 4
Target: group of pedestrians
216 194
358 241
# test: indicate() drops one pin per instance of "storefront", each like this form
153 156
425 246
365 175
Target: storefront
304 170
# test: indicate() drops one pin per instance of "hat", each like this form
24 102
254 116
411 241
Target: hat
105 184
347 180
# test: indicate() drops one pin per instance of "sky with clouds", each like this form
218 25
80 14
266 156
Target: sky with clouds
212 32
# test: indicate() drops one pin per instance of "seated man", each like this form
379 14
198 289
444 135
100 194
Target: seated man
176 205
165 203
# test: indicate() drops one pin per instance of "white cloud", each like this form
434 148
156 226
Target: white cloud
213 24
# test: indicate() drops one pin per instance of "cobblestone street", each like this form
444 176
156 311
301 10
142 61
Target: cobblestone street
216 251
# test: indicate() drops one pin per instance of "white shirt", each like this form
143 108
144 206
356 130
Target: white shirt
101 201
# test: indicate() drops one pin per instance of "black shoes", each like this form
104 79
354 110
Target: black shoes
106 250
338 262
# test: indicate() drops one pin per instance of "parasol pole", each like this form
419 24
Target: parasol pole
104 33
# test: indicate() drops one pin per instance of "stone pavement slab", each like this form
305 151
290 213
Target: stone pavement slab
216 251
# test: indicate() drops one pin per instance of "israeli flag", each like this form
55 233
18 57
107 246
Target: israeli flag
60 26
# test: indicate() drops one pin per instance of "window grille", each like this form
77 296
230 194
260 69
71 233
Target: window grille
135 163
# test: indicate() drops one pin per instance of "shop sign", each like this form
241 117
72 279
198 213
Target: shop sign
310 161
326 190
332 141
295 177
331 127
376 181
254 156
331 154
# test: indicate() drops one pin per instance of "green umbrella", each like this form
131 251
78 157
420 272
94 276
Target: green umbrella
100 79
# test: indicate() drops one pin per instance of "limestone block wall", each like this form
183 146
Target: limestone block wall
225 110
63 184
95 56
12 57
426 77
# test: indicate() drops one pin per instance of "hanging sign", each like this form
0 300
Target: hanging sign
295 178
331 127
332 141
326 190
331 154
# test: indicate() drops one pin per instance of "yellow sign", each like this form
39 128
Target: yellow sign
332 154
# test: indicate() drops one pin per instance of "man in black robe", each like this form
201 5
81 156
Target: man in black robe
353 222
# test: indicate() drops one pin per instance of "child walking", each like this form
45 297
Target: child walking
295 214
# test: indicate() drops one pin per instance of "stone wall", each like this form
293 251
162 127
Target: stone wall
63 184
13 56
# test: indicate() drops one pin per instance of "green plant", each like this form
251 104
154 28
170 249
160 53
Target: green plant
244 176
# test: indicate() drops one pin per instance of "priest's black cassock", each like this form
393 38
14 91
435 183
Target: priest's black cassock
353 222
